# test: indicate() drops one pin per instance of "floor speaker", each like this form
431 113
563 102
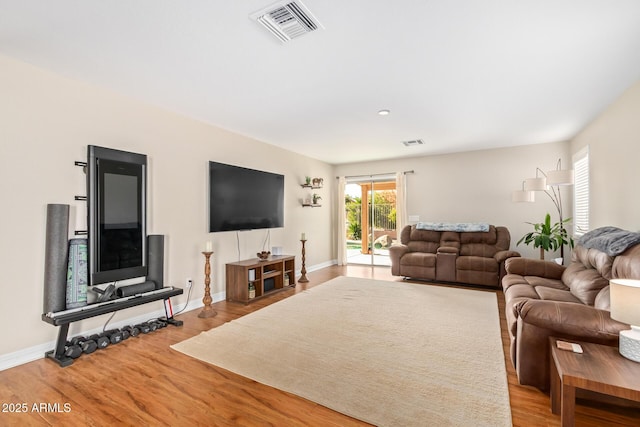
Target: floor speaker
155 259
55 263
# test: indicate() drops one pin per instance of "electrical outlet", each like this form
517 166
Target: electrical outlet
188 283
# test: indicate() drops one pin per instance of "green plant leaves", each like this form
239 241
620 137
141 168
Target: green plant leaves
547 236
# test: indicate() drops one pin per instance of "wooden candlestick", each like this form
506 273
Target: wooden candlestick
207 311
303 271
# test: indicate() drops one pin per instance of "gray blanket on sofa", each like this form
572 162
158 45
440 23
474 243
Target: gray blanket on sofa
610 240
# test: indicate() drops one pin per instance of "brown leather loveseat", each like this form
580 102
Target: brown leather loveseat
544 299
473 257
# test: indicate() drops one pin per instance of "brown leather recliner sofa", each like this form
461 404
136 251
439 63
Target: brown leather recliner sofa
472 257
544 299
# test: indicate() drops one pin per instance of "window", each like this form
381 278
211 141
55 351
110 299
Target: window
581 192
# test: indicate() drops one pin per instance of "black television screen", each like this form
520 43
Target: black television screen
244 199
117 205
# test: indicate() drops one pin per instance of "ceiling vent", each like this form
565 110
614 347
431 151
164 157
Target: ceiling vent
413 142
287 20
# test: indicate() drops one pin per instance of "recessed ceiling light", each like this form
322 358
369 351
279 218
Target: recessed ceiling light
384 112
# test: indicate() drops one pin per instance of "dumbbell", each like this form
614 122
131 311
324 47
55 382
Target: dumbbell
72 350
125 334
101 340
114 335
159 323
87 345
144 328
133 330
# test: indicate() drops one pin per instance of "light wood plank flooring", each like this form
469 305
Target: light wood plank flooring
143 382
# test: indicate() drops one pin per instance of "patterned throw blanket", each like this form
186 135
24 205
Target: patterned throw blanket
610 240
456 226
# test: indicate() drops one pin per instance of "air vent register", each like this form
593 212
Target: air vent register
287 20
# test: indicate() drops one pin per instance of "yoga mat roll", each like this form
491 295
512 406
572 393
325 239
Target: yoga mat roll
55 264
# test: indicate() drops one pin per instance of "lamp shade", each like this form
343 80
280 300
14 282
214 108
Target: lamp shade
625 300
560 177
523 196
535 184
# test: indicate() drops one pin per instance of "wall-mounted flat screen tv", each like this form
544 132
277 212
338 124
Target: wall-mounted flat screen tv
244 199
116 197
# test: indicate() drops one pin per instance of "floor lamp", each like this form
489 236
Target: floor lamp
549 183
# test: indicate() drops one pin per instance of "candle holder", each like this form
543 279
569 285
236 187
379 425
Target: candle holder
207 311
303 271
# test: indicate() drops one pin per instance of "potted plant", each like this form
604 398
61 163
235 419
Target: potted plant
316 197
548 237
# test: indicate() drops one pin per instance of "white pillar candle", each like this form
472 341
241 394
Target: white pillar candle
209 246
302 237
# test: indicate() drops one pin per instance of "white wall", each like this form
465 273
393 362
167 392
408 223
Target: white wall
614 149
46 123
476 186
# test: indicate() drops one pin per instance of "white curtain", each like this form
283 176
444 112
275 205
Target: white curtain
342 222
401 203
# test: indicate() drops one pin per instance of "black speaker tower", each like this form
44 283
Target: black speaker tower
155 259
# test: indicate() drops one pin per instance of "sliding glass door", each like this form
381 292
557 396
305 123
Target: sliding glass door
370 207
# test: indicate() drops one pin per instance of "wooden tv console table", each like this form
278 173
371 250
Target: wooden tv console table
268 277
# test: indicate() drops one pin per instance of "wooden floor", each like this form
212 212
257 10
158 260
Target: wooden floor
143 382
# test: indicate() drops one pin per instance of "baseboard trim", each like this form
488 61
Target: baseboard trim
318 266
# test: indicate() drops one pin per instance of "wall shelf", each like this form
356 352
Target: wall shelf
315 184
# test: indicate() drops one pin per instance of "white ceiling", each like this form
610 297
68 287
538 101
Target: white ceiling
459 74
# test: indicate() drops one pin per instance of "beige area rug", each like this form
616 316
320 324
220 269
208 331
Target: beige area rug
388 353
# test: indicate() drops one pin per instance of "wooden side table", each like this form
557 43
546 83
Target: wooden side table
600 368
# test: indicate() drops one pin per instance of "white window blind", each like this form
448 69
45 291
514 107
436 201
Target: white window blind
581 192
